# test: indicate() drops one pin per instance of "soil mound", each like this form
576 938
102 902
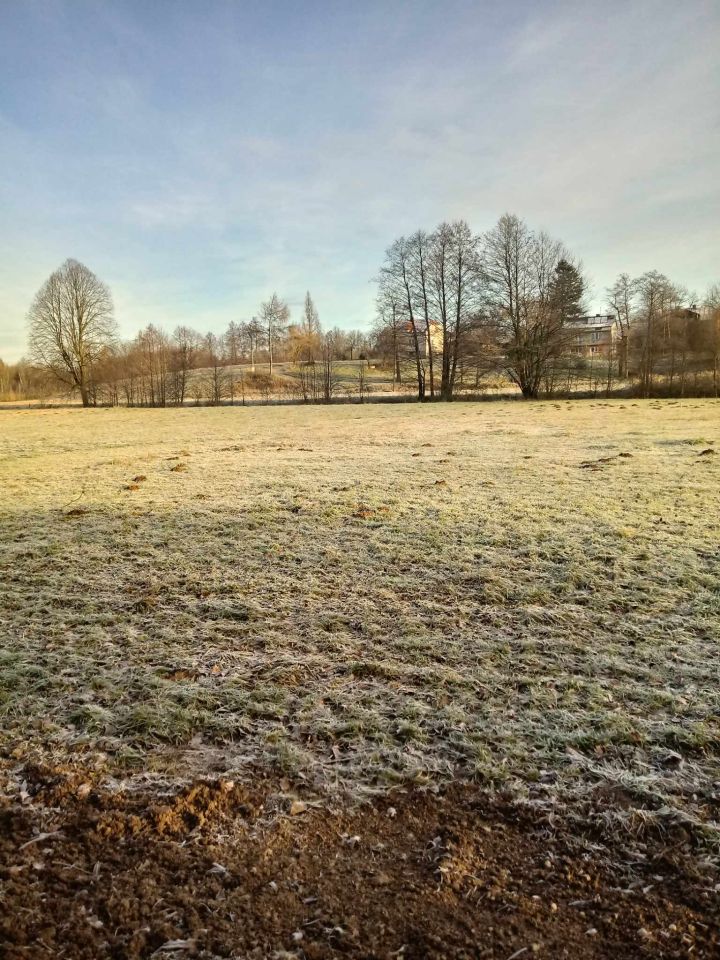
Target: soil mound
220 869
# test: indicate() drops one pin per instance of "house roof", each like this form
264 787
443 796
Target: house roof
600 320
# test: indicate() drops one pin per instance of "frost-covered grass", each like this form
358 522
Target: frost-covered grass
527 594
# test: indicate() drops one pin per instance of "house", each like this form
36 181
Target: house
430 338
593 336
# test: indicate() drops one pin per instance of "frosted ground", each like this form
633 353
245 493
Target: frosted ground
525 595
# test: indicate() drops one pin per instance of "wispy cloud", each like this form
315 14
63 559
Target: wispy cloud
198 161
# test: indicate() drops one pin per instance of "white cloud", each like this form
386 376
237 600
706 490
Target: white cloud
597 122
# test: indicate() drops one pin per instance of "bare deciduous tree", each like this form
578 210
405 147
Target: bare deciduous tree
621 301
309 382
431 289
363 386
397 284
386 330
421 254
233 342
252 331
72 325
354 340
311 329
153 352
656 297
185 343
711 310
274 315
329 377
521 269
304 339
457 283
217 380
21 381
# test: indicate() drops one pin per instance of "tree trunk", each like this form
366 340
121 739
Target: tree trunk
431 364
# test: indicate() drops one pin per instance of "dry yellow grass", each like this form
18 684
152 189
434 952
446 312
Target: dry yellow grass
527 594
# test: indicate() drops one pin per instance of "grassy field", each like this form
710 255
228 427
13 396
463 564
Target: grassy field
527 595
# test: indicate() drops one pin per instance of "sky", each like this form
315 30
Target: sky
199 154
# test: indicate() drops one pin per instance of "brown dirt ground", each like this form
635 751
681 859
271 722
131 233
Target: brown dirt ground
222 869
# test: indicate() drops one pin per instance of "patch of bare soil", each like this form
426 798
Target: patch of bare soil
222 869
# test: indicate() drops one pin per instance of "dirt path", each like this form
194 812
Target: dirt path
223 870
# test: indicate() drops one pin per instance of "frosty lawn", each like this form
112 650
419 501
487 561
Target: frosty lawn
523 594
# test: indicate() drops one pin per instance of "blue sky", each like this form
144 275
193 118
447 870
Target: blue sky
199 155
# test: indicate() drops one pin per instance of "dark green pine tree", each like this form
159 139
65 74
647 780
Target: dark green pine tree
567 291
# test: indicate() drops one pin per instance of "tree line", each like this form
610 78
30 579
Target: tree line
73 340
456 310
509 303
